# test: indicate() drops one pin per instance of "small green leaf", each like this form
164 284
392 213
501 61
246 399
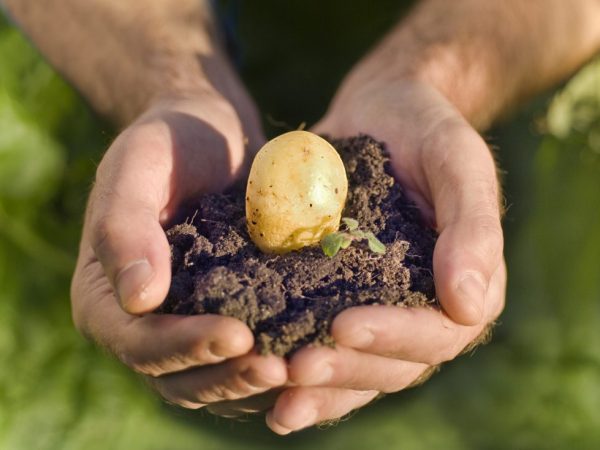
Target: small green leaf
352 224
346 240
332 243
375 244
358 234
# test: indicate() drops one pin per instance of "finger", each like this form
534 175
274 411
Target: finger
132 188
344 367
152 344
411 334
301 407
250 405
237 378
159 344
414 334
462 180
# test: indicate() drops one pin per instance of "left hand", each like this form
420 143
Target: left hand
181 147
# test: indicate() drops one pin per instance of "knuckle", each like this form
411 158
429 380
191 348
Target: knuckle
232 387
165 392
103 235
217 393
211 346
143 368
487 190
201 351
447 352
150 366
187 404
124 353
449 139
488 236
450 128
87 287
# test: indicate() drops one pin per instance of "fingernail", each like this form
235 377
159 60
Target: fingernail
471 290
132 281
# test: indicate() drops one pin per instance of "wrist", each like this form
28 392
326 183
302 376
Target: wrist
442 69
463 78
191 109
230 111
215 84
406 107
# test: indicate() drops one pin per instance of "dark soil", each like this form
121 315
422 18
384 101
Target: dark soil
289 301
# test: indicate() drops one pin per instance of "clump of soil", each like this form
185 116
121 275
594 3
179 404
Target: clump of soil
289 301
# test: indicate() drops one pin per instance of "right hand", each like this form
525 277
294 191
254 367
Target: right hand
178 149
447 169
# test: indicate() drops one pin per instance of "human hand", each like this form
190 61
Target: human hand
179 148
447 169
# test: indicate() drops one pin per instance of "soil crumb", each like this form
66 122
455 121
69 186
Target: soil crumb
289 301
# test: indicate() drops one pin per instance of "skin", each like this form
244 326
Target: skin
443 74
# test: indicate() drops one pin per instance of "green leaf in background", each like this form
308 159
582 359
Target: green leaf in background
31 162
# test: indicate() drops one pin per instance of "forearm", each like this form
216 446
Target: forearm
484 56
122 55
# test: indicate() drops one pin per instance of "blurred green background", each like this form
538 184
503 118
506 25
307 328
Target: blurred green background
536 386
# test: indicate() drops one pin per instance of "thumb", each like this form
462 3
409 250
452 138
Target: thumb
123 226
461 174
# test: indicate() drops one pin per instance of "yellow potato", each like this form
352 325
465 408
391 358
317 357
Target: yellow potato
296 192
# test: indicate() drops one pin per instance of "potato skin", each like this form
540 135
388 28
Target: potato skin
296 192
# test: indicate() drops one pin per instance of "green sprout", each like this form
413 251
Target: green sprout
334 242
